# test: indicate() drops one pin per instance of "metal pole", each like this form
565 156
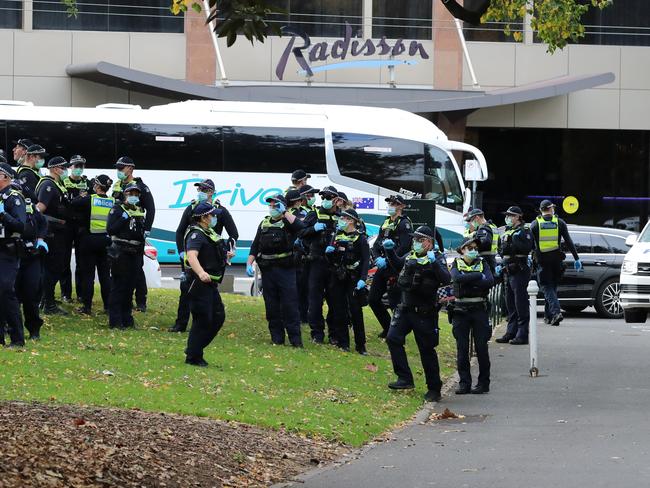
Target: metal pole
533 289
461 36
219 67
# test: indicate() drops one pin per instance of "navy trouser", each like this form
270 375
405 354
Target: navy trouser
548 276
517 302
427 336
377 289
183 312
472 319
8 302
302 280
122 286
28 292
346 309
208 316
140 287
281 303
319 276
54 263
73 241
94 256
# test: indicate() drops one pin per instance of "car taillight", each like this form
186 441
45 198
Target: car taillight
151 253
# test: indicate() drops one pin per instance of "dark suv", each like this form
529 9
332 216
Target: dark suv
601 252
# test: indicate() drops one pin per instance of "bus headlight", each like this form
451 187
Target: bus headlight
629 267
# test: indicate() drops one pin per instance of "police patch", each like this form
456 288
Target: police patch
17 202
49 188
408 226
193 236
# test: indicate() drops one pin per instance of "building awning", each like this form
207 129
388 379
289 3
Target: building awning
420 100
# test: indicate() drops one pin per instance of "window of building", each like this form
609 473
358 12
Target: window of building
171 147
11 14
109 15
388 162
319 18
274 150
398 19
621 24
490 31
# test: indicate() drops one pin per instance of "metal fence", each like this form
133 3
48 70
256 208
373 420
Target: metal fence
496 299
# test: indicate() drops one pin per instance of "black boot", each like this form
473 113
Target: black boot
401 384
177 328
462 389
504 339
479 389
519 341
432 396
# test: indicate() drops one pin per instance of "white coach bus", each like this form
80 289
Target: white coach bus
250 150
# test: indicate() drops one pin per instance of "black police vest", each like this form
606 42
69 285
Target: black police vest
30 232
275 241
60 210
389 229
418 281
467 290
511 247
323 238
213 257
135 230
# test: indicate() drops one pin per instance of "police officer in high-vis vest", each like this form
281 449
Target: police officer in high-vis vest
12 225
125 226
548 230
28 172
125 167
486 235
516 244
93 242
205 256
77 185
472 279
296 207
20 150
53 202
320 227
272 249
421 273
397 227
205 193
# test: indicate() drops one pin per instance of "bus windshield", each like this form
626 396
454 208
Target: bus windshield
441 180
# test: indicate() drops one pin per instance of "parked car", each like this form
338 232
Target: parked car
635 278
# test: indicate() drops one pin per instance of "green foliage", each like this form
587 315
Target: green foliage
319 391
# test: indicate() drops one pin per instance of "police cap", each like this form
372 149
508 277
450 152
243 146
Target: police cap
104 181
308 190
77 160
546 204
124 161
473 213
133 186
351 213
466 242
23 142
514 210
343 196
36 149
396 199
204 208
424 231
209 184
293 196
57 162
7 170
279 198
2 158
329 191
299 174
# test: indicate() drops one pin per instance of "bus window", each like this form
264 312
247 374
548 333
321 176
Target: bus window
171 147
440 179
94 141
388 162
274 150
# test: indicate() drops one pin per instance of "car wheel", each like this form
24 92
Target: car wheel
608 301
573 309
635 316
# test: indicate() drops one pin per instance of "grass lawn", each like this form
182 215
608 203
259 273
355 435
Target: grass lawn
319 391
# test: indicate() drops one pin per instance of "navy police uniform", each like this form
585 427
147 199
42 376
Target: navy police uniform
300 252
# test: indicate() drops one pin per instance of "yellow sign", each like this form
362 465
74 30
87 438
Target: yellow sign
570 205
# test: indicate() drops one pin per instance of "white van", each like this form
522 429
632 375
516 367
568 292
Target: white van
635 278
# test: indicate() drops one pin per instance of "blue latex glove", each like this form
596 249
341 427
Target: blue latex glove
250 271
431 255
498 270
125 216
2 207
388 244
577 265
380 263
297 242
329 249
530 262
40 243
280 206
319 226
361 285
182 255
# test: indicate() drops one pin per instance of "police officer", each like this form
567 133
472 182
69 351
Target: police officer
296 207
20 150
349 257
77 185
397 228
206 255
298 180
28 172
516 244
272 249
205 193
318 233
308 194
126 227
421 273
12 225
472 279
486 235
548 229
125 166
53 202
92 256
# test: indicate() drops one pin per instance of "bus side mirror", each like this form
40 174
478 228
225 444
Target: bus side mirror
631 240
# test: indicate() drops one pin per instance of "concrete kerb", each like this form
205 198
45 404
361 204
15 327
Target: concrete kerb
420 417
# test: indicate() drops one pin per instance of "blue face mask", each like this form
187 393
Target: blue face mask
341 224
392 211
40 163
467 225
472 254
132 200
77 172
274 212
311 201
64 174
213 221
509 221
327 204
202 196
418 247
121 175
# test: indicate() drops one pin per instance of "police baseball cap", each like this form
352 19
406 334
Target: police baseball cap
424 231
473 213
204 208
466 242
351 213
209 184
279 198
36 149
23 142
343 196
293 196
57 162
124 161
308 190
7 170
133 186
514 210
299 174
546 204
104 181
329 191
77 160
398 199
2 158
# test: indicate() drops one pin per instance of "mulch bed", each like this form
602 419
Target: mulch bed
68 446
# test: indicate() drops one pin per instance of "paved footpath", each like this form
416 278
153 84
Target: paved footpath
585 422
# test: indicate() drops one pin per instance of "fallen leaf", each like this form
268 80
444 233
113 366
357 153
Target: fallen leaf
373 368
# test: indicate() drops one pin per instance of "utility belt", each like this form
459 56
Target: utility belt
425 309
55 223
124 246
344 272
516 263
466 304
194 280
284 260
29 249
11 246
487 253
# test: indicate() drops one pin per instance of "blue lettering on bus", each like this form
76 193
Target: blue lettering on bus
238 193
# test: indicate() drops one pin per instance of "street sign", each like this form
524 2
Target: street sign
421 212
